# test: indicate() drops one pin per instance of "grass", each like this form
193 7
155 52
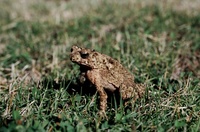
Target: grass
39 89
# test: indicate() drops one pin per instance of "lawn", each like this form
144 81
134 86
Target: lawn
158 42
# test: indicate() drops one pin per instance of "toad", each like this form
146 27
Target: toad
106 73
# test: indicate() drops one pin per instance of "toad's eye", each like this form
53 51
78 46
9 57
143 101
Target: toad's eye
84 55
71 49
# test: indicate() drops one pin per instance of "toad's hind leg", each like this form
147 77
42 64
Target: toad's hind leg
127 92
131 92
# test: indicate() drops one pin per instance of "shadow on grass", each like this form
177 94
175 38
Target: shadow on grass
74 87
83 89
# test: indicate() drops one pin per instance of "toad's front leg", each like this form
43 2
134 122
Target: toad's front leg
103 100
95 78
82 77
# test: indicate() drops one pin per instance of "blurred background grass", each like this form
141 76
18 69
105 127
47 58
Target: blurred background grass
158 41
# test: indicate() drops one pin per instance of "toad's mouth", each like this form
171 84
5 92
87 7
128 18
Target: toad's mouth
84 66
81 62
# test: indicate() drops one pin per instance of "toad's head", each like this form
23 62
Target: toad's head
83 57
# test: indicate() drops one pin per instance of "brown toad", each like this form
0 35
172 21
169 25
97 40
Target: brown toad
106 73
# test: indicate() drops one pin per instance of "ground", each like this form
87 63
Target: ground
157 41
